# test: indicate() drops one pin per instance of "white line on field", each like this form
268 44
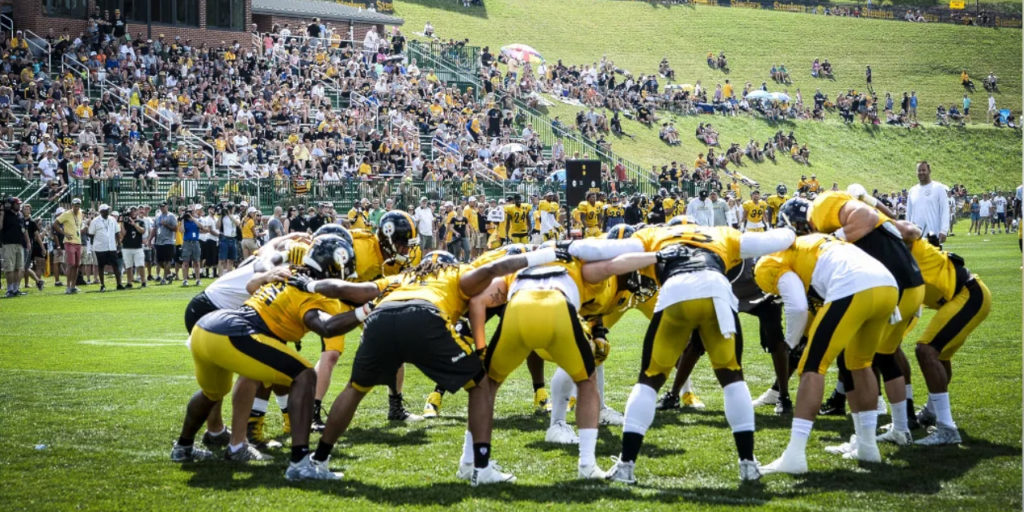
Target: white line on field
98 374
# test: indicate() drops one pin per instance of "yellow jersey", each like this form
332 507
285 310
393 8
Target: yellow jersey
249 228
518 218
800 259
614 211
589 215
938 271
812 185
358 219
753 211
826 207
721 240
283 308
471 215
369 259
441 290
775 202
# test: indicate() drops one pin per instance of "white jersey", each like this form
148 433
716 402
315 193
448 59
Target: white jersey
846 269
561 282
209 223
228 291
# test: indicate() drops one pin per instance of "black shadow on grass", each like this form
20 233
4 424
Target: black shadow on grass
221 476
480 11
940 464
412 437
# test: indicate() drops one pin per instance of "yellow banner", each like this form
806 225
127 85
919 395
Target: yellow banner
956 4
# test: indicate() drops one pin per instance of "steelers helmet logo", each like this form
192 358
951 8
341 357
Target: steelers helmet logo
388 229
341 257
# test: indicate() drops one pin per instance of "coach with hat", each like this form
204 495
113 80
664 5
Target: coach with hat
104 229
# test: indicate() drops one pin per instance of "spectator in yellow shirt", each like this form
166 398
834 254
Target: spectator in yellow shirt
250 231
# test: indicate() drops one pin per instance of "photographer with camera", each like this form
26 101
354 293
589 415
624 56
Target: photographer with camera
104 230
191 252
14 241
132 231
227 224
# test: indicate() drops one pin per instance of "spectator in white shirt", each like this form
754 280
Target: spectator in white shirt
984 212
47 167
699 210
999 204
104 229
424 217
928 205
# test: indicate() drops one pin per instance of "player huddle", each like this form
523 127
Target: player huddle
847 278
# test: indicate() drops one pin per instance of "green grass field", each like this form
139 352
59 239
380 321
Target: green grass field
102 379
926 58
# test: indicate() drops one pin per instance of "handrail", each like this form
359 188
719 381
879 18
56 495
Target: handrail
68 60
7 24
50 204
355 96
48 49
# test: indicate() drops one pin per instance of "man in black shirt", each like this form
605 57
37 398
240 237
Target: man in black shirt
494 121
36 253
321 218
132 253
13 241
296 221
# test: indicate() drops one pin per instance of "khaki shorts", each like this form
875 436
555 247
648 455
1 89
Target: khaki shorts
480 240
133 258
249 244
13 258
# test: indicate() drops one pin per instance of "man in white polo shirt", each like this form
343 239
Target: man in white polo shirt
424 217
928 205
104 230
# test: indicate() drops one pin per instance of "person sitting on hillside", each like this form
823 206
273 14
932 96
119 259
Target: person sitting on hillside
769 151
941 117
707 134
644 114
774 74
990 82
734 154
711 60
955 115
754 152
428 30
816 68
826 70
669 134
722 63
665 71
965 80
801 154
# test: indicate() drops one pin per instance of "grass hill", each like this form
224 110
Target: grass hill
926 58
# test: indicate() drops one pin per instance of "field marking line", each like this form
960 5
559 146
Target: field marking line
98 374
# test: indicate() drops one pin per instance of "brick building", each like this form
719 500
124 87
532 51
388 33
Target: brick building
209 21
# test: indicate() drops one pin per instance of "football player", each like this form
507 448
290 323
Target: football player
415 323
393 247
252 342
590 216
857 217
694 295
775 202
517 229
550 228
754 212
962 302
858 296
614 213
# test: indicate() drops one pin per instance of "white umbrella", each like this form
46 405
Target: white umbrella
780 96
757 94
512 147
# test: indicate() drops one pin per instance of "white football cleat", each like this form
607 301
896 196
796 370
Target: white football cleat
789 463
561 433
750 471
309 469
897 437
610 416
844 448
465 471
770 397
621 471
864 451
591 472
490 475
942 435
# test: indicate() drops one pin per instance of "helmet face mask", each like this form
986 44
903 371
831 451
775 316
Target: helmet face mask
330 256
795 214
397 234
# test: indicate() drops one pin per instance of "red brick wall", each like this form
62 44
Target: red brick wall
28 14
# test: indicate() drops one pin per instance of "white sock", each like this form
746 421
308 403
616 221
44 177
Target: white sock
588 443
910 392
599 377
282 402
899 416
259 405
856 424
943 412
640 409
561 387
235 447
798 434
687 387
868 421
217 433
739 410
467 449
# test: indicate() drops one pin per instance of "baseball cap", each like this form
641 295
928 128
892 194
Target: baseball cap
59 211
76 201
104 207
251 209
472 198
163 203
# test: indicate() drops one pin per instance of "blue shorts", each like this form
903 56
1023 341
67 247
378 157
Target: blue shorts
975 216
228 249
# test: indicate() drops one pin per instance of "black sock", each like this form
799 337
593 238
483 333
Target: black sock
775 386
481 454
439 390
323 450
631 442
744 444
299 451
537 385
183 441
284 410
318 405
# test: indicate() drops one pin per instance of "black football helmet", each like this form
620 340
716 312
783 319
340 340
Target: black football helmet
334 229
397 233
330 256
516 249
679 220
795 214
781 189
440 257
620 232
